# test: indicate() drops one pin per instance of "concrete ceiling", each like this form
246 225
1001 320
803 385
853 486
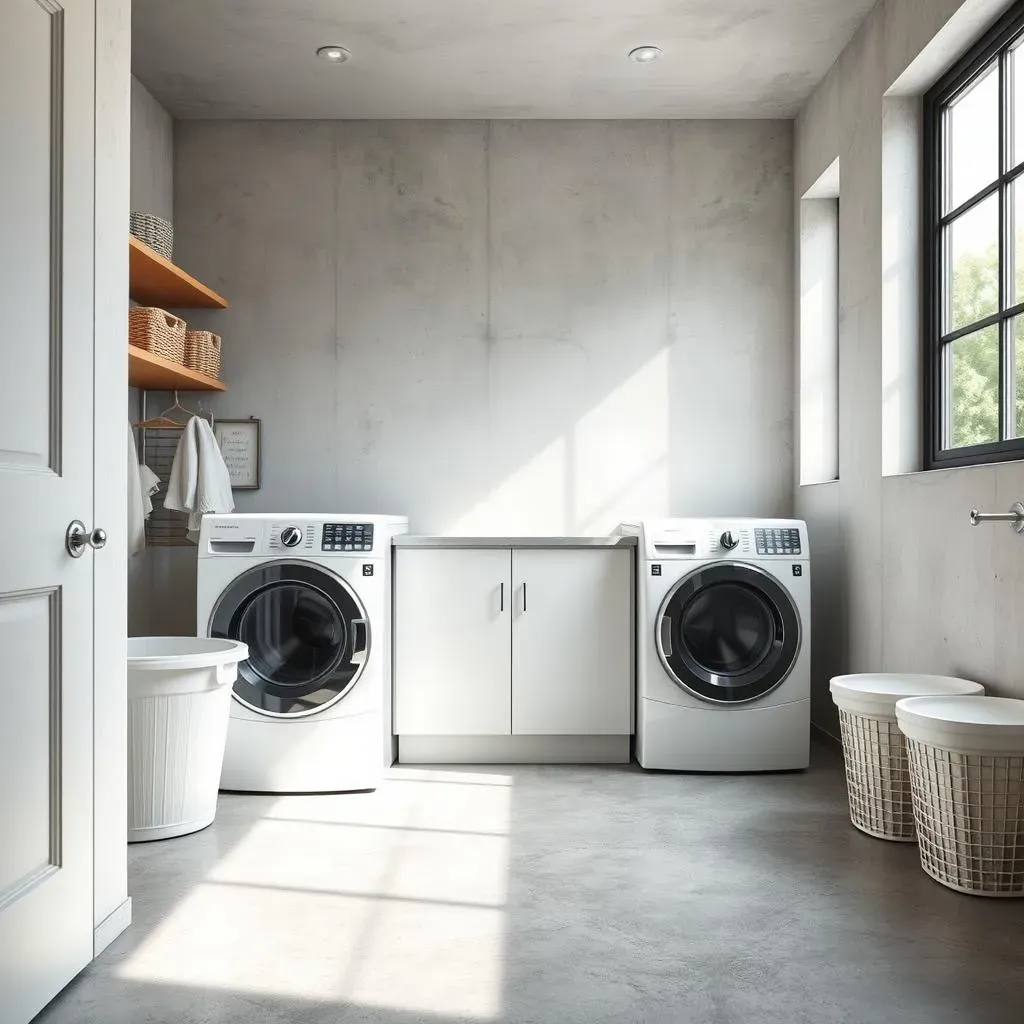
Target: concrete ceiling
488 58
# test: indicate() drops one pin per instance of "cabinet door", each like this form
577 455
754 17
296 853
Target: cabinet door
572 641
453 642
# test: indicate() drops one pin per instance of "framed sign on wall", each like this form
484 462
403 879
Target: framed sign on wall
239 442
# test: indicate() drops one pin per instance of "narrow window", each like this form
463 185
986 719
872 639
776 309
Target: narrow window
819 329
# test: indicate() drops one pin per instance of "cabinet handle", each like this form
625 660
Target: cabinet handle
502 596
524 596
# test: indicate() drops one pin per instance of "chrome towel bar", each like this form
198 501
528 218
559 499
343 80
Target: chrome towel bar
1015 517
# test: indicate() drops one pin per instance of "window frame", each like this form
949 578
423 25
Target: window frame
995 44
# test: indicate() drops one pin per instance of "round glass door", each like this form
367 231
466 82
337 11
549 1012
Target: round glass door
307 633
728 633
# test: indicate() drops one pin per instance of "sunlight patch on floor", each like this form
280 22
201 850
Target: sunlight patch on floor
430 866
394 899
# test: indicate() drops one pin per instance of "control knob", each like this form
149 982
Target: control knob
729 540
291 536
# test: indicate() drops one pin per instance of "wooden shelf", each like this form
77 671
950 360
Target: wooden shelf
154 373
154 281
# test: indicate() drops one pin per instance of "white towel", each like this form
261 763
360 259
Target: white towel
142 483
150 485
199 480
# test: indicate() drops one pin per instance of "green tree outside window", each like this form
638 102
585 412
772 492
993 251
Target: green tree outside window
975 371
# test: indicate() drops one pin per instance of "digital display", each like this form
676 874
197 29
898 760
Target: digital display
777 541
347 537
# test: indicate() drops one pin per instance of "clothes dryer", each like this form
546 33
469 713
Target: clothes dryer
311 596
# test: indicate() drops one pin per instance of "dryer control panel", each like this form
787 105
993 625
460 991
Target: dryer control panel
297 536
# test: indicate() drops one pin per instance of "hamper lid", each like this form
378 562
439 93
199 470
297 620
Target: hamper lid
970 724
181 653
876 693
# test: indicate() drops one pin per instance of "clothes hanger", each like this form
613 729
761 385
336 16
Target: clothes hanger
164 422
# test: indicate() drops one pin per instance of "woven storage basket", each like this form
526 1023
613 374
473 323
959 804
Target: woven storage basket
875 754
157 331
967 774
202 352
156 232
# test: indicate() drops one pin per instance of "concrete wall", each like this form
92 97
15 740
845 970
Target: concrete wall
152 182
902 582
499 327
152 191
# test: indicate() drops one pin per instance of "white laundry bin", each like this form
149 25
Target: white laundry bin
874 751
179 694
967 773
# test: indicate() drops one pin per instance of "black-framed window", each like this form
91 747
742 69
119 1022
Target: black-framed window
974 253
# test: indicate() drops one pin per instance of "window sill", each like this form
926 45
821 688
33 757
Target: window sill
953 469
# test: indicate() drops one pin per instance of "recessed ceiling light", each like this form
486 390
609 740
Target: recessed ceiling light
645 54
333 54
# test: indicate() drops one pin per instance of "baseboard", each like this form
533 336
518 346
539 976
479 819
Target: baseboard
513 749
826 737
111 926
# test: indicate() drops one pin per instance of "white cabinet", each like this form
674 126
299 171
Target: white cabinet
571 641
513 641
453 645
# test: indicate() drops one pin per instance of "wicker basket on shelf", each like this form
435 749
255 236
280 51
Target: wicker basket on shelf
202 352
157 331
155 231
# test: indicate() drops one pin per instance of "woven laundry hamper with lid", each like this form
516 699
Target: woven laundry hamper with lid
967 773
875 754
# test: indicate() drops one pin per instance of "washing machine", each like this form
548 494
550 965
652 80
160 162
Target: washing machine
311 596
724 653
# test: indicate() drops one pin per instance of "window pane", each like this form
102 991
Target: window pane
972 272
974 388
1015 66
1018 376
1015 271
973 139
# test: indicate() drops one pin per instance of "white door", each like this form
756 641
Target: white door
453 657
46 481
572 641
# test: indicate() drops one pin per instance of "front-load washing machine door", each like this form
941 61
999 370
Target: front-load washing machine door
728 633
307 632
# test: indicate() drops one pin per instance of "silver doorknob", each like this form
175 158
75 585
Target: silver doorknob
78 538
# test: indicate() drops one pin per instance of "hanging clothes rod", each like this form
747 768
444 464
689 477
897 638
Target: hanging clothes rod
1015 517
163 422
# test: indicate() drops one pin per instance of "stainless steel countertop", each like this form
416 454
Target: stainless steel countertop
421 541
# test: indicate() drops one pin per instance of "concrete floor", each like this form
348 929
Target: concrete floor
556 895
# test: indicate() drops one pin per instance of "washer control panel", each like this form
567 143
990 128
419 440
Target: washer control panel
347 537
777 541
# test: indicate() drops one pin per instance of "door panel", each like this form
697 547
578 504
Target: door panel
31 109
47 85
453 657
28 625
572 641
